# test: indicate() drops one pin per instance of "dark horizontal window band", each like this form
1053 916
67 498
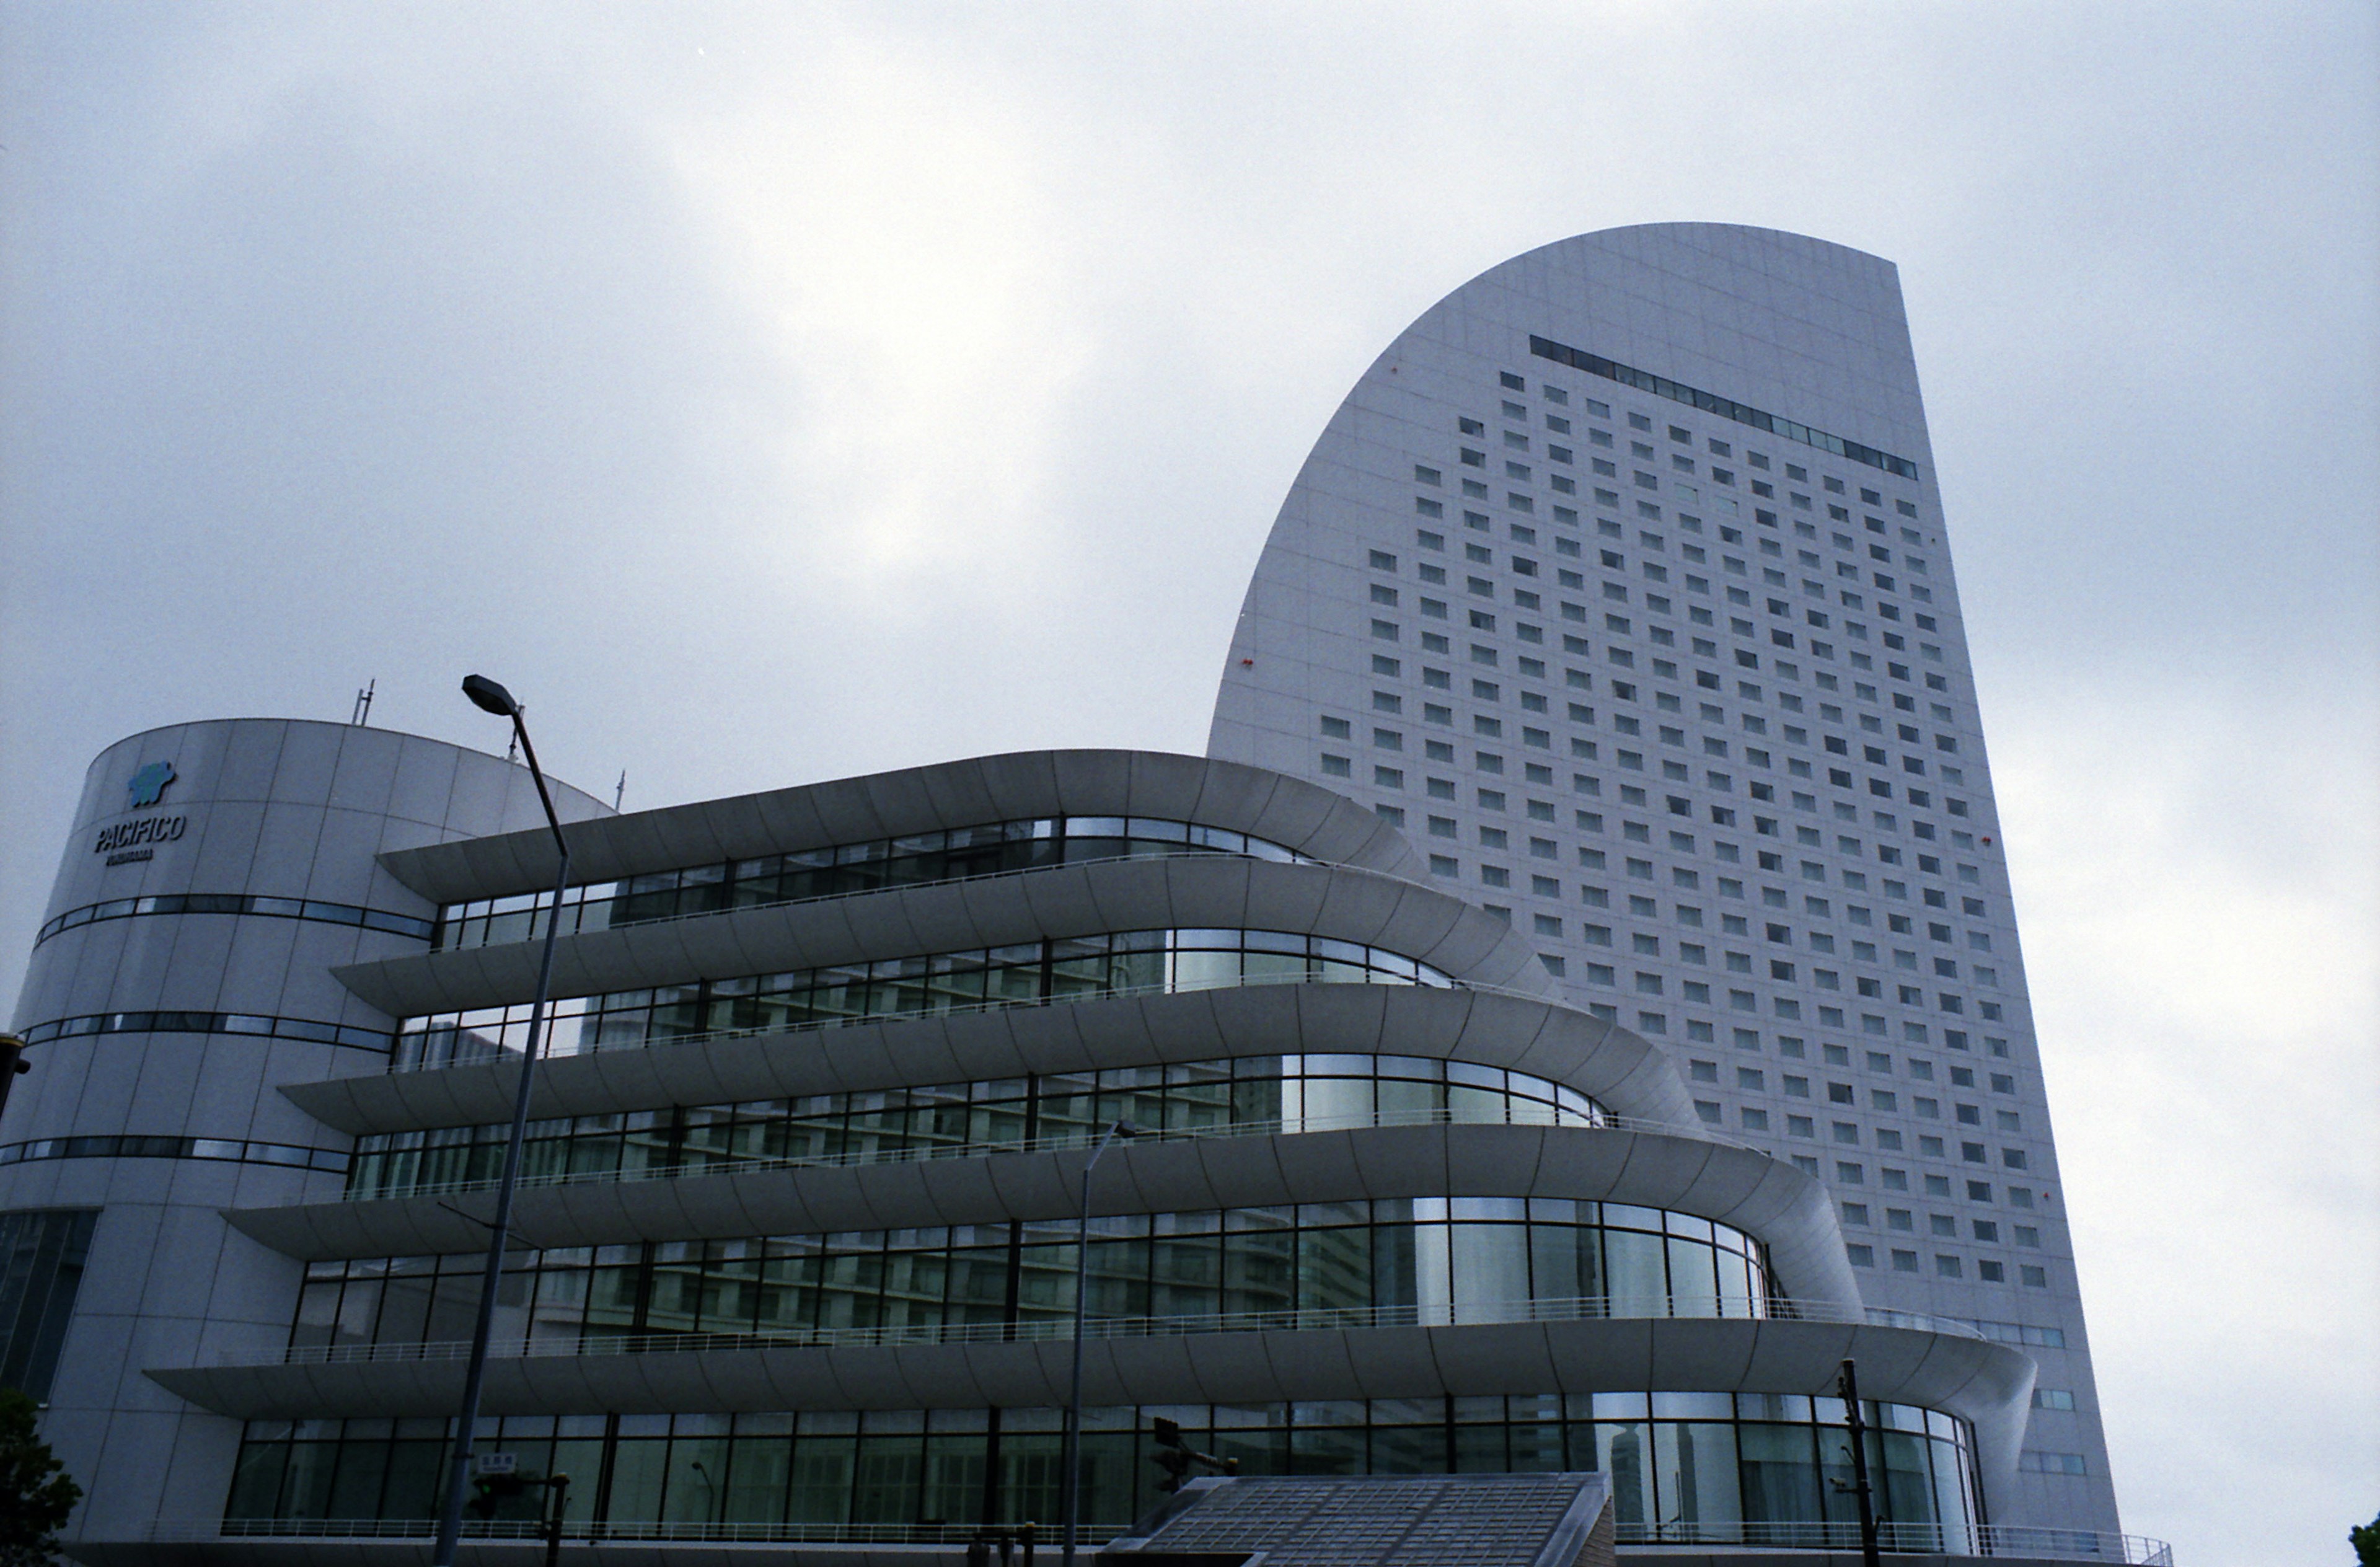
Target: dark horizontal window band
1712 403
208 1023
230 1149
241 902
956 853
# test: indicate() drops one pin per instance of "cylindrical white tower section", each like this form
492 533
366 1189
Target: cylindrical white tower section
214 876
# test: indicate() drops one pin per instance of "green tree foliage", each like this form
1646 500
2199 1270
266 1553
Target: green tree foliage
2365 1538
35 1494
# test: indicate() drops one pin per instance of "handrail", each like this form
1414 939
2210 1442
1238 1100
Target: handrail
1956 1539
1060 1328
577 1531
496 1054
1055 1143
1961 1539
1295 858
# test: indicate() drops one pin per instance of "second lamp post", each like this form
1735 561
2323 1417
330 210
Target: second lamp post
1071 1464
494 699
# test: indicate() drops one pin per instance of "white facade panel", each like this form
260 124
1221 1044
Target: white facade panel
1686 697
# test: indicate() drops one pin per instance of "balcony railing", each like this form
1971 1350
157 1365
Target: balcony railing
1955 1540
1056 1143
1988 1541
578 1532
1435 1314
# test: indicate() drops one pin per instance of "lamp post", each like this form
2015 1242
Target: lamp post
1071 1462
1847 1387
492 698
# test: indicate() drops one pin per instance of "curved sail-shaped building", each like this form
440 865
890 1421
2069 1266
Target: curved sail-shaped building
1620 582
1573 1012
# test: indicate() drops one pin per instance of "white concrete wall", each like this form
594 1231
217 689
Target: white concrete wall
272 808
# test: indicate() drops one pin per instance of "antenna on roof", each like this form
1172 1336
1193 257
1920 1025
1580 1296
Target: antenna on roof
362 713
619 792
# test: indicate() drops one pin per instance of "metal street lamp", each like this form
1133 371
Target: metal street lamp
492 698
1072 1462
1847 1388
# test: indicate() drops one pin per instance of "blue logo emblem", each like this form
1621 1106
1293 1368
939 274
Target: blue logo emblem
149 783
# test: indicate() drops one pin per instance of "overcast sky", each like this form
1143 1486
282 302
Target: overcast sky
771 393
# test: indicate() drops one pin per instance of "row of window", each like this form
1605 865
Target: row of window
1481 691
308 1029
1788 1008
1785 1009
1948 1266
1614 588
1850 1133
1701 1031
924 985
1383 597
1795 1047
1488 725
227 1149
1945 1226
1680 465
1755 1080
1571 545
1646 943
1752 1466
1492 765
1496 800
1709 402
835 870
1427 1260
245 903
1494 839
1291 1092
1580 747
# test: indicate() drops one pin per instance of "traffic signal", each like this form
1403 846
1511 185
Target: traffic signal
489 1492
1177 1457
1171 1455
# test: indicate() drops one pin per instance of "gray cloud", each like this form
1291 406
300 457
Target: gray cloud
775 392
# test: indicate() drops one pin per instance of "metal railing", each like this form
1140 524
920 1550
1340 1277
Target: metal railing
1955 1540
1958 1539
1055 1143
536 913
1059 1327
490 1055
589 1531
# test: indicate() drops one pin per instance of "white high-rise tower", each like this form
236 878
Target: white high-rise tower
1620 582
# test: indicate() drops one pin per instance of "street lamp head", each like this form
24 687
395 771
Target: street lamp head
1126 1129
489 696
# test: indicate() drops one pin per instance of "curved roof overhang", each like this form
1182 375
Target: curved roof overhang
1618 1068
1738 1186
1985 1383
1013 786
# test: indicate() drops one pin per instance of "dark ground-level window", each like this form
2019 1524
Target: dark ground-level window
43 1251
1709 1468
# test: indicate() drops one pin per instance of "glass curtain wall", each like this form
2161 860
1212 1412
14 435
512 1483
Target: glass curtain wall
839 871
1291 1093
1447 1260
929 984
1684 1467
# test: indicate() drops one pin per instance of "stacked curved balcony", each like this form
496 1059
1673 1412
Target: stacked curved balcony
805 1165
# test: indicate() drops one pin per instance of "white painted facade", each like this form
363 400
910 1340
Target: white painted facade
1567 628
